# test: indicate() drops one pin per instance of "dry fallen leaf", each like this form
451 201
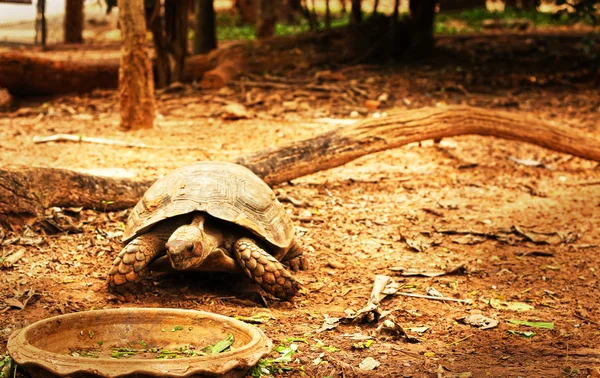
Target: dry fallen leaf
368 363
478 321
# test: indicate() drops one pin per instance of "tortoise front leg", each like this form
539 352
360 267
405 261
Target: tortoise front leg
127 269
264 269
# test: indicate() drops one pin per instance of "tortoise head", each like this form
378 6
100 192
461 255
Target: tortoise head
187 247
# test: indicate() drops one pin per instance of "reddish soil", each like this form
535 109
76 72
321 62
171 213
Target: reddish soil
523 233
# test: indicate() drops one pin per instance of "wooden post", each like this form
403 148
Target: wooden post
136 82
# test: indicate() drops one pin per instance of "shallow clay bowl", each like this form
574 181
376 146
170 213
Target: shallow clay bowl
79 345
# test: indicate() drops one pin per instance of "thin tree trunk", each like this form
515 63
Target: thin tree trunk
246 10
356 12
375 6
343 7
41 27
74 21
265 19
423 16
327 15
530 5
163 66
459 5
205 36
136 82
176 25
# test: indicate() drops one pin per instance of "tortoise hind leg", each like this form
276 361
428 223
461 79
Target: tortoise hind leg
127 269
264 269
295 259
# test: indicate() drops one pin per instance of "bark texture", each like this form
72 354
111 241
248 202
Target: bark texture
136 82
27 75
27 192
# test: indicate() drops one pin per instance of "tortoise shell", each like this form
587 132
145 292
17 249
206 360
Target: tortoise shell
226 191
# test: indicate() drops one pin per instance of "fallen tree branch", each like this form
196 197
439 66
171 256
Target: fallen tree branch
28 75
27 192
347 143
79 138
434 298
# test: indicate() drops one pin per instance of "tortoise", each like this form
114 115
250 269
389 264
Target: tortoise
210 216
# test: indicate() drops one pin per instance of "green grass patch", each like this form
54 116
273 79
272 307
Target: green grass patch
230 28
472 20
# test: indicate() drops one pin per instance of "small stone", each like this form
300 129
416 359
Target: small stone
335 264
372 104
290 105
383 97
234 111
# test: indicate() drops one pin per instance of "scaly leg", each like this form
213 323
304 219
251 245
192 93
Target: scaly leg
127 269
264 269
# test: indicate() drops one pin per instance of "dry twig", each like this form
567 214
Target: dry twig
79 138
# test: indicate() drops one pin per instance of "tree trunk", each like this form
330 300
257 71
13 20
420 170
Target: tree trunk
343 7
205 36
290 11
530 5
327 15
30 75
423 16
265 19
460 5
41 26
247 10
74 21
356 12
163 66
26 193
136 83
176 25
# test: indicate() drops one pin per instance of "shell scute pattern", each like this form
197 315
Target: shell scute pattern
224 190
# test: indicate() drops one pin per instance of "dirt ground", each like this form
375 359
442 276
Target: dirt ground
521 221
